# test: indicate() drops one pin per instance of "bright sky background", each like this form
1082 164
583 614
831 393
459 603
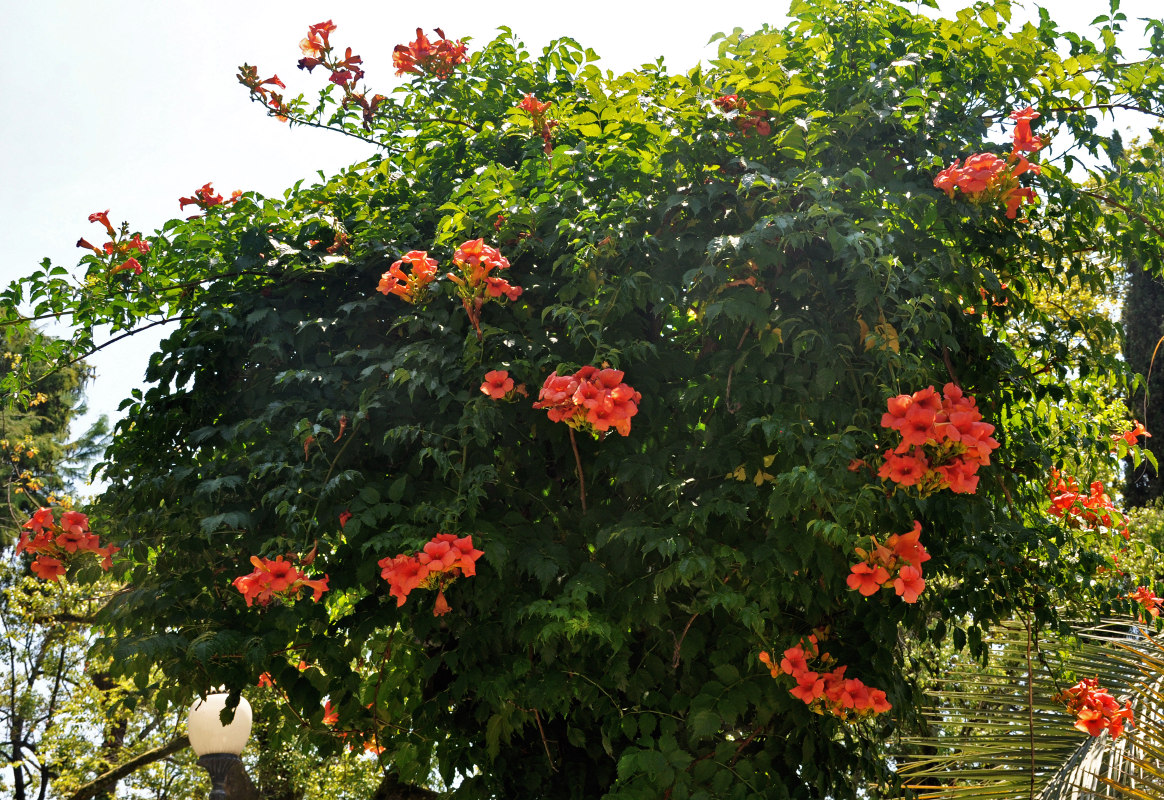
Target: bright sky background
129 104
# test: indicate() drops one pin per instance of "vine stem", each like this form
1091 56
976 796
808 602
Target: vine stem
331 467
1108 107
1156 229
112 341
545 743
1151 364
376 696
679 642
578 464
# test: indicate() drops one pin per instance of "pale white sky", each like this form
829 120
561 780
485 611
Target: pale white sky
130 104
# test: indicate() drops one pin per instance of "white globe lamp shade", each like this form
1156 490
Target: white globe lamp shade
209 735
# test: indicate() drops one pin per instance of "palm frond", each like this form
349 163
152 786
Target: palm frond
997 732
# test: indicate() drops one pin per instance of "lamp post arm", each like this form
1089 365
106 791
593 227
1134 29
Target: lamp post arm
239 785
108 779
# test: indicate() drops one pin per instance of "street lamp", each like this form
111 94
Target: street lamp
216 745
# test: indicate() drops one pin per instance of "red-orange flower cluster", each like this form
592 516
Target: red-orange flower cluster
317 51
1095 710
987 298
411 288
345 71
248 76
1148 599
331 719
1130 437
475 286
438 564
897 564
206 199
116 248
825 691
330 714
434 58
1023 138
730 102
55 543
1093 508
273 578
747 121
316 42
534 107
591 399
537 111
986 177
943 441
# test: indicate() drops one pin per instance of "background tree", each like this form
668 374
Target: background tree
758 249
1142 315
39 456
64 717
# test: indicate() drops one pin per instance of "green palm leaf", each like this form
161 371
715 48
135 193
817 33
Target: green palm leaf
997 732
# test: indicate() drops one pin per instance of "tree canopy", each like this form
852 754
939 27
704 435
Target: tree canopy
786 315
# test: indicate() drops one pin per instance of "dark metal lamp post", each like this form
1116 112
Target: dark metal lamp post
218 746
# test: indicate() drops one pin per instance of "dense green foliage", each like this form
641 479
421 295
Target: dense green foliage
608 644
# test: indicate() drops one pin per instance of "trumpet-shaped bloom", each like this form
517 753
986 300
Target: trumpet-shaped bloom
1024 139
409 287
867 579
43 518
131 264
48 568
273 578
809 686
497 384
403 573
436 58
1148 599
532 106
906 470
908 546
794 662
330 714
103 218
495 287
909 583
1130 437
